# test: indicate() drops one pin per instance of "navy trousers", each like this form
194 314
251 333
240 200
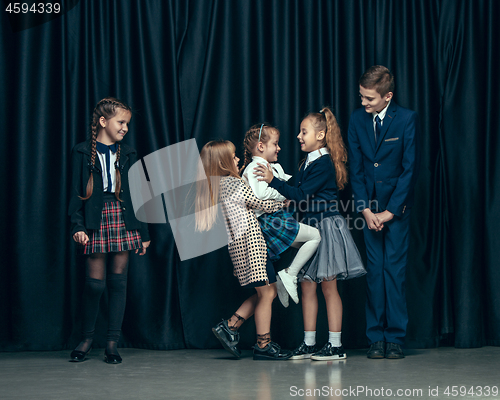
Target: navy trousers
387 254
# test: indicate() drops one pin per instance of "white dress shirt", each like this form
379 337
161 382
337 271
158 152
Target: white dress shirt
381 115
314 155
102 159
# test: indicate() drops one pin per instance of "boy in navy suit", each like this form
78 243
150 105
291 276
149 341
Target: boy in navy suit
383 159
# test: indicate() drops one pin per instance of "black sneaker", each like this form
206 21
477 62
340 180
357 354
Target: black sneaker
328 352
303 351
271 352
228 338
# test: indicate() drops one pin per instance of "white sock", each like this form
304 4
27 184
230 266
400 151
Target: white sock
334 338
310 338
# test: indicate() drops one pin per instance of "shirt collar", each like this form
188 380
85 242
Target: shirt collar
314 155
104 148
382 113
259 159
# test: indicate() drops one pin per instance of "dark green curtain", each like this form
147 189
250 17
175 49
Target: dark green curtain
208 69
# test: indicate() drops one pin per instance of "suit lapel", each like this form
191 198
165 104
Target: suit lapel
123 160
370 131
389 118
97 163
300 175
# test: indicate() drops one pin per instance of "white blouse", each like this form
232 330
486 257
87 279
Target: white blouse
261 189
102 159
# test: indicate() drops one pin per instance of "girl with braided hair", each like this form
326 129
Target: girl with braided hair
280 229
316 188
103 221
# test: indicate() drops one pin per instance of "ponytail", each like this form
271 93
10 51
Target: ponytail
336 147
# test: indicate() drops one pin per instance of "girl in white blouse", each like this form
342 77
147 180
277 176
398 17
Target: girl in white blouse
281 231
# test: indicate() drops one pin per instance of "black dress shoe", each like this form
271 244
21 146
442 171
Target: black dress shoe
377 350
271 352
227 337
79 356
394 351
112 358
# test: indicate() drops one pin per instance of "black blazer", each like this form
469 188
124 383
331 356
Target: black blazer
86 214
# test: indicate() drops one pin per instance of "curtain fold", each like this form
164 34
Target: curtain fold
209 69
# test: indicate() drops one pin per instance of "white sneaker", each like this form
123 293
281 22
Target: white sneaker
282 293
290 284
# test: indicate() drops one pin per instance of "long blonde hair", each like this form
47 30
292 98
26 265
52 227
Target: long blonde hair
217 159
326 121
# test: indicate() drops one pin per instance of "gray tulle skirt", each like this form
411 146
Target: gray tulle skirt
337 255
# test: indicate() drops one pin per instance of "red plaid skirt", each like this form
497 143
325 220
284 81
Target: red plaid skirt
112 236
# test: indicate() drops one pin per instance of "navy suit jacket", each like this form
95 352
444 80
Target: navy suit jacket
386 171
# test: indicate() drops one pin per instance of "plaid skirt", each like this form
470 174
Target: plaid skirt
112 236
280 230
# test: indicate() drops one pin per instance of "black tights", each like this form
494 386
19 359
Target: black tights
96 279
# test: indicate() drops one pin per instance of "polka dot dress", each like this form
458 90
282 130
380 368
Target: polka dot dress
247 246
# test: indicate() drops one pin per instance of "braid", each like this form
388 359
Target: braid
114 103
249 143
106 108
247 160
93 153
118 175
252 139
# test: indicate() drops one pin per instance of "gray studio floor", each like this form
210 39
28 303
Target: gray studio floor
210 374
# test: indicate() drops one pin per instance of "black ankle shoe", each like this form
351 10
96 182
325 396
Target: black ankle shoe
377 350
79 356
394 351
228 338
112 358
271 352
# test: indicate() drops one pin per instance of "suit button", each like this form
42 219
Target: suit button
123 208
375 165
